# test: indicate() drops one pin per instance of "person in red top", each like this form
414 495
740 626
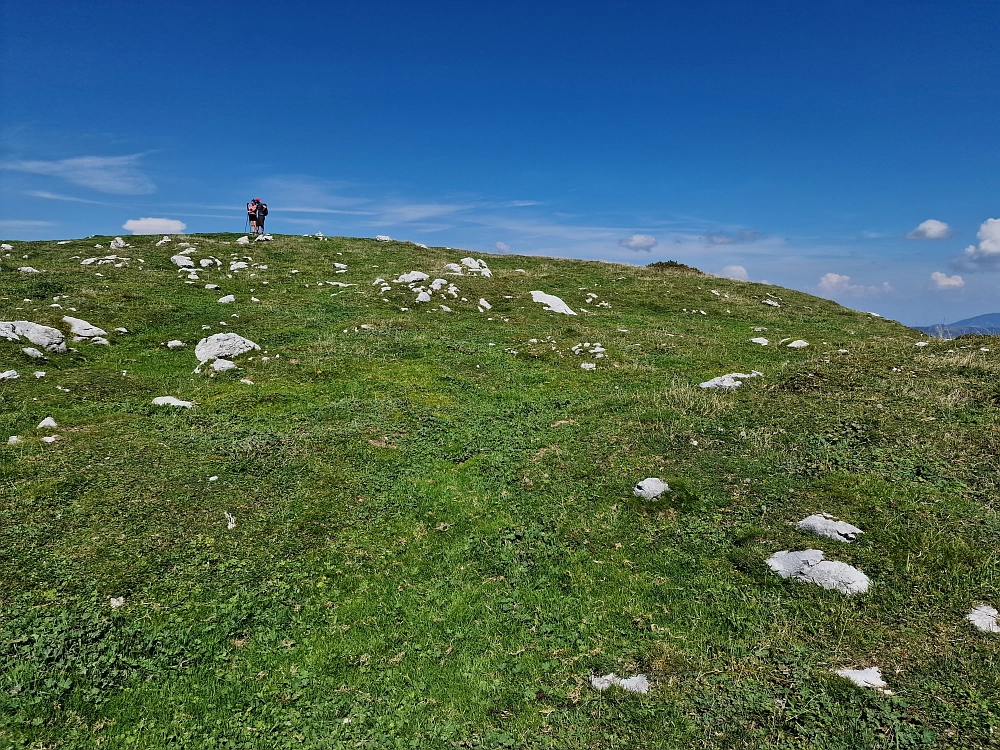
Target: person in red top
252 214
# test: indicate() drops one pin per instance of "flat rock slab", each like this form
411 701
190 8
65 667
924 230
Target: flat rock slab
731 381
650 488
823 524
809 566
182 261
411 277
171 401
47 423
798 344
50 339
984 617
223 346
869 678
637 684
552 303
82 328
9 375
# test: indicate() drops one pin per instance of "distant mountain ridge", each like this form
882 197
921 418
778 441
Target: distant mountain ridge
988 324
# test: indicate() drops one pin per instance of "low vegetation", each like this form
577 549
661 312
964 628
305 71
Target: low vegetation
436 542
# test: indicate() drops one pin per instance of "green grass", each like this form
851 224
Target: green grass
436 538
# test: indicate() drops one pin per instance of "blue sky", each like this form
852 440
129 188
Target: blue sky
802 143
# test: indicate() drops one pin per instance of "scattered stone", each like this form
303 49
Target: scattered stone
223 365
921 343
798 344
453 268
223 346
13 439
383 238
118 243
730 381
588 366
238 265
5 246
164 241
175 344
33 352
39 373
411 277
263 238
182 261
49 439
82 329
212 286
227 299
771 302
243 241
809 565
121 330
171 401
484 304
870 678
760 340
823 524
230 521
48 422
117 602
650 488
9 375
984 617
637 684
28 269
551 302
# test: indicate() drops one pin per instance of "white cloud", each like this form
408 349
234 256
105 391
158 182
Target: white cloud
118 175
154 226
735 272
835 283
23 224
985 255
644 242
943 281
503 247
932 229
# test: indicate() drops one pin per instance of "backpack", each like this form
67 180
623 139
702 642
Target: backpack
262 209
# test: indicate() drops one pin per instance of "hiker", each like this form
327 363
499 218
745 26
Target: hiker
252 214
261 215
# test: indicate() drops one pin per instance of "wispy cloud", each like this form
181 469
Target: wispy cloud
724 238
503 247
835 283
640 242
117 175
58 197
24 224
735 272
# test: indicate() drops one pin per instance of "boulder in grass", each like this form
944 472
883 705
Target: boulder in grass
223 365
869 678
182 261
383 238
809 565
82 328
9 375
731 381
650 488
223 346
47 423
48 338
411 277
798 344
243 241
823 524
984 617
227 299
171 401
33 352
552 303
638 684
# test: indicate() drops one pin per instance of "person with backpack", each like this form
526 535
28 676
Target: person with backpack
261 214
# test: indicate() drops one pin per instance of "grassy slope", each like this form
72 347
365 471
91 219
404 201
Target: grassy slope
437 539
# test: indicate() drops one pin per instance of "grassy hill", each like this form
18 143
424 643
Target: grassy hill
436 541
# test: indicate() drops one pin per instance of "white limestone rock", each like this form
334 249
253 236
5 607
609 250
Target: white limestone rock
223 365
798 344
28 269
33 352
13 440
175 344
223 346
164 241
760 340
171 401
243 241
870 678
182 261
411 277
731 381
82 328
809 565
771 302
227 299
984 617
118 243
637 684
823 524
47 423
9 375
383 238
49 339
650 488
551 302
